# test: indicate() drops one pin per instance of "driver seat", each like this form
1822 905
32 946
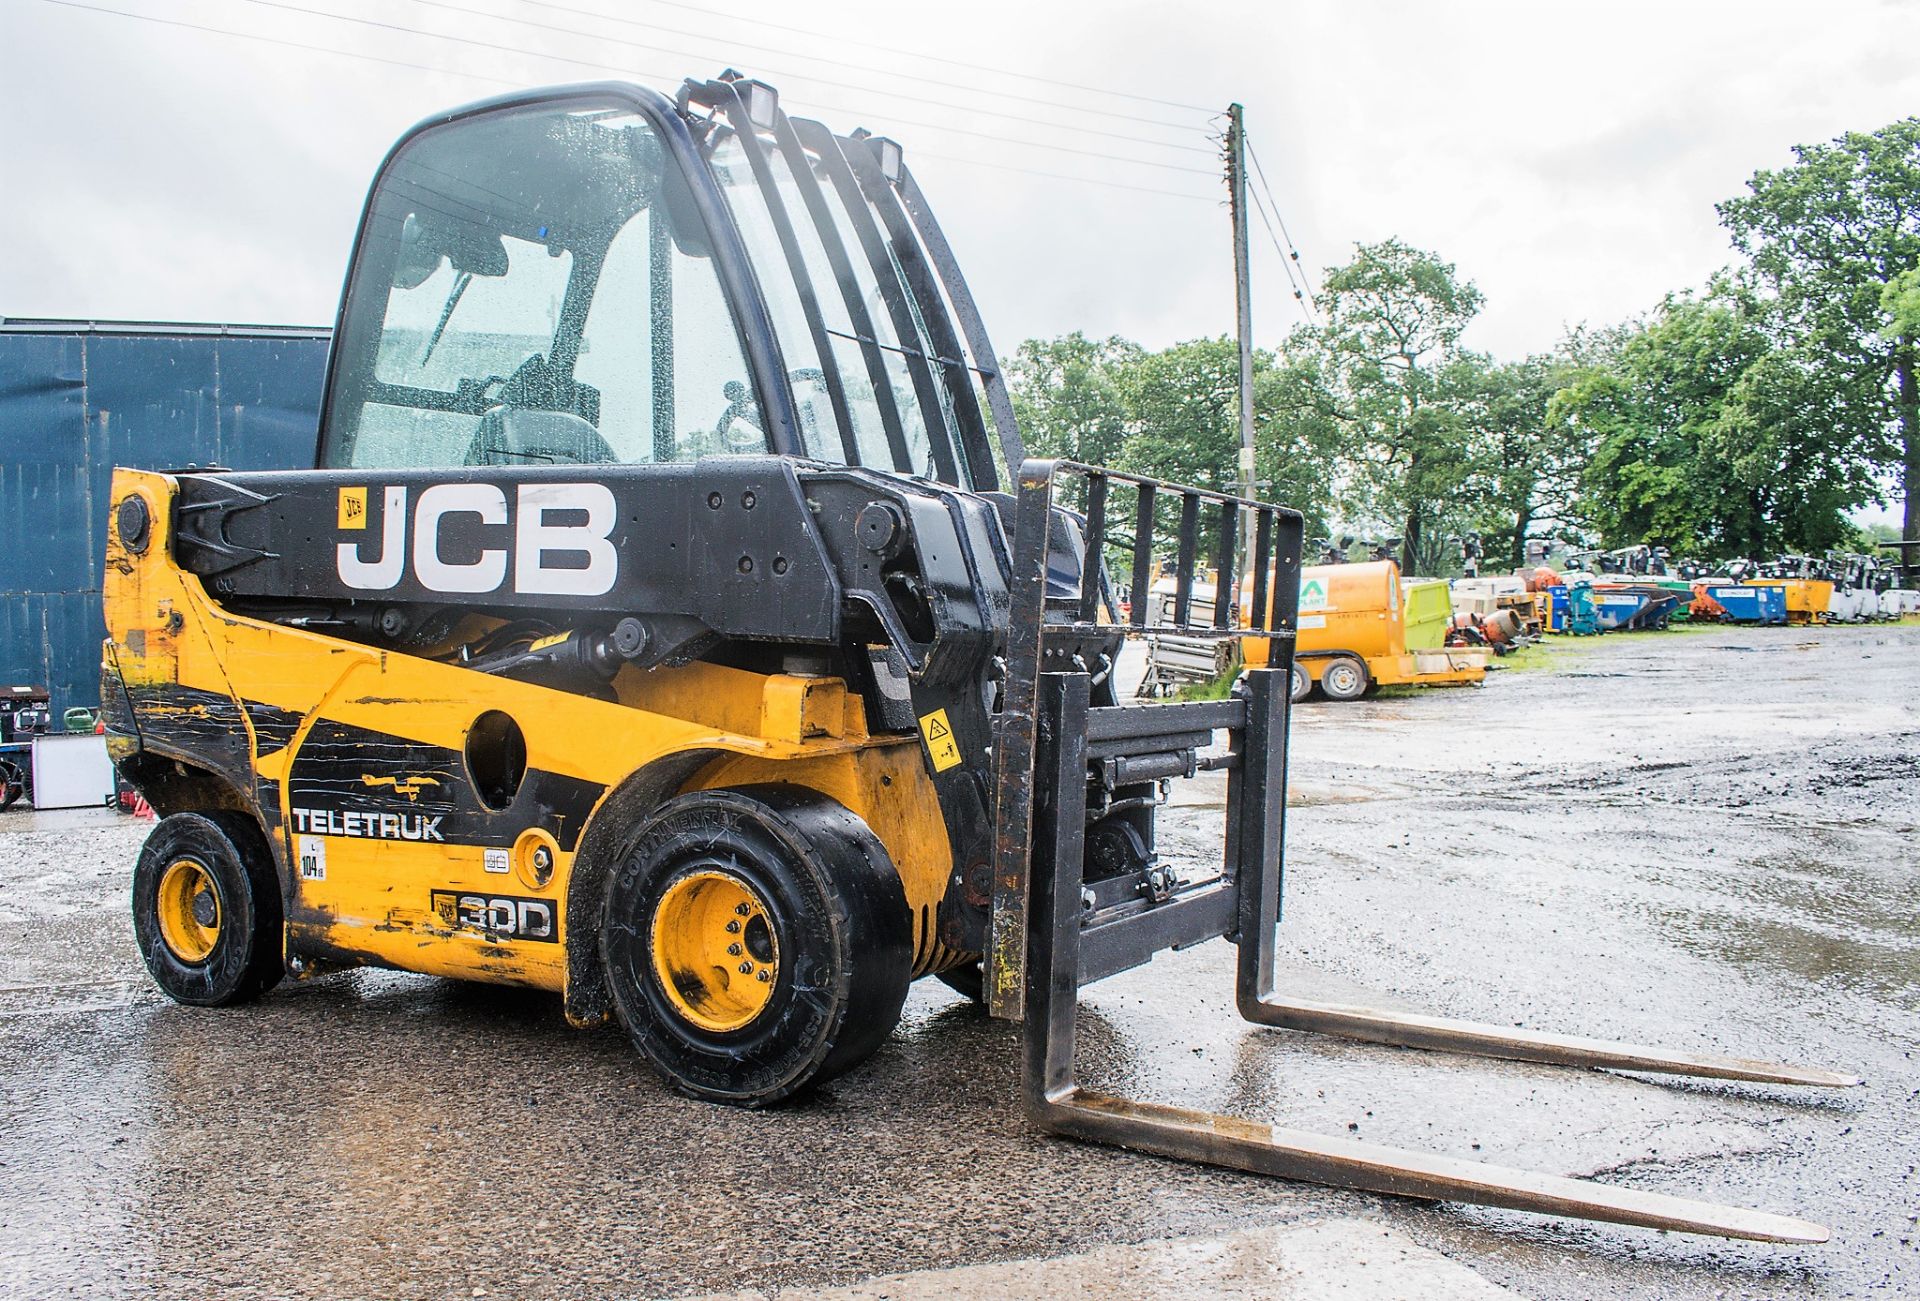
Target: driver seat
517 436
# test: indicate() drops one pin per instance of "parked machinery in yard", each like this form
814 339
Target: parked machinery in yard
23 716
1361 627
1755 603
1178 662
1633 607
1641 561
1858 581
1704 608
1806 583
1564 607
1517 596
673 621
1631 588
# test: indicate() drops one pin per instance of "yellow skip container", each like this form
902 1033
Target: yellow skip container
1808 599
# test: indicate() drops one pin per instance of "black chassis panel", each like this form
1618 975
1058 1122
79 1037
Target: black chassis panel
761 548
726 541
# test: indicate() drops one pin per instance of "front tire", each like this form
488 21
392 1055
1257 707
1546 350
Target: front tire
756 942
207 911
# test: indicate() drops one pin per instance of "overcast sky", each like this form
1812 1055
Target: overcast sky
1565 157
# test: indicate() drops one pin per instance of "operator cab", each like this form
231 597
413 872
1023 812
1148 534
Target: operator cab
598 275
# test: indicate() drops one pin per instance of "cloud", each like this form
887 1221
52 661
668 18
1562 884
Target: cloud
1566 157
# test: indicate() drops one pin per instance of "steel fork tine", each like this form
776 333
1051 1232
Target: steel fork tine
1443 1034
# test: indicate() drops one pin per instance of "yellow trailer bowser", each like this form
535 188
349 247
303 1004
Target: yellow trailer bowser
1362 626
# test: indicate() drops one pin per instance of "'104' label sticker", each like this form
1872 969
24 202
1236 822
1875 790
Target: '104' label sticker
313 858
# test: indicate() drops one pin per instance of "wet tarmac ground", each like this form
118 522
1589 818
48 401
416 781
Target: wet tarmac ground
1706 841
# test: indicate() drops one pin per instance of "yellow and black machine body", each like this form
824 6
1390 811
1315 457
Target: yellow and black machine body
672 620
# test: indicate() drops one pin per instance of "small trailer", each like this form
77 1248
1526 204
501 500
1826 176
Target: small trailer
1633 607
1363 627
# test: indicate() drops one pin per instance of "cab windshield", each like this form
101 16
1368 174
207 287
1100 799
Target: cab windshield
534 286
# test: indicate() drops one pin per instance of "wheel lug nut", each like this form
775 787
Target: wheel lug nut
765 976
733 928
746 968
734 949
742 909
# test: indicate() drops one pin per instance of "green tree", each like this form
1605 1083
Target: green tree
1183 412
1174 414
1900 300
1835 244
1647 415
1183 423
1700 434
1524 466
1066 395
1392 323
1298 440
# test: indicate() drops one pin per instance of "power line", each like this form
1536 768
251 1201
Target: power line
1130 137
1267 221
1062 176
841 63
275 40
287 6
500 81
458 40
936 58
1286 264
1292 249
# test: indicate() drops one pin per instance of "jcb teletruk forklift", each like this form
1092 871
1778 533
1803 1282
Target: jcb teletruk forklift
673 621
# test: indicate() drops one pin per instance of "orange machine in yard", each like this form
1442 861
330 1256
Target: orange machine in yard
1808 599
1362 626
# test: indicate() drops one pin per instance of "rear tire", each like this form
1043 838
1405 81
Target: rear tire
1299 683
756 942
1344 678
207 910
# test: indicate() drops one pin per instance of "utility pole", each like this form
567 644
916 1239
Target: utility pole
1242 287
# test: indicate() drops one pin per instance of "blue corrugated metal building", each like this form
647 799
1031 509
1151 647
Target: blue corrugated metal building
80 397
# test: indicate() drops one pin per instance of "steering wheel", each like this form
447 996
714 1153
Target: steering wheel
743 410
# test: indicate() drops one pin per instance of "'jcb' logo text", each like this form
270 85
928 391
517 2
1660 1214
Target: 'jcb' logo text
572 557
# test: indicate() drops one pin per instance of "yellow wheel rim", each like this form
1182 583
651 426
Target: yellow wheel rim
714 950
189 909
